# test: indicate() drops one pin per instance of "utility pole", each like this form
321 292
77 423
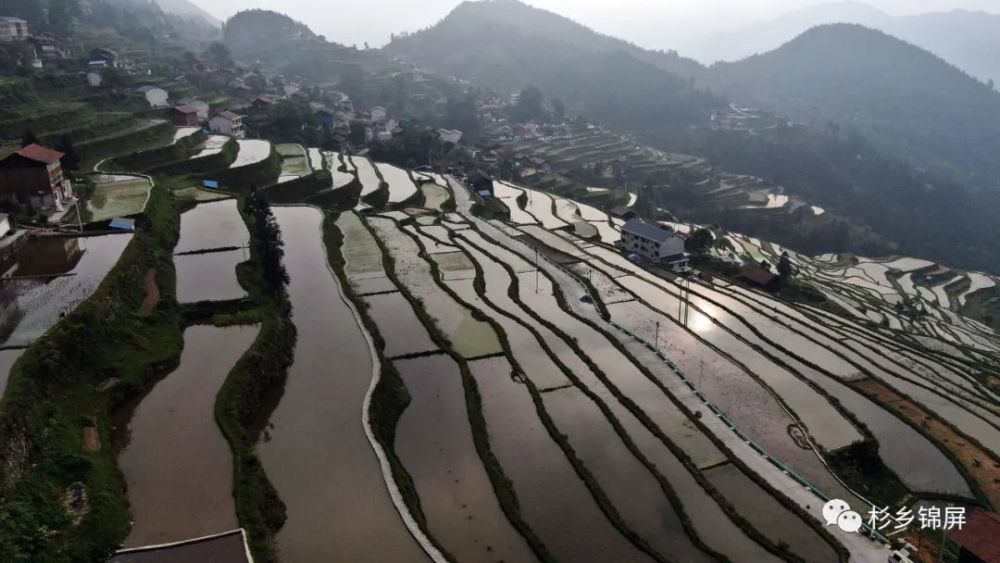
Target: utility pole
536 270
657 340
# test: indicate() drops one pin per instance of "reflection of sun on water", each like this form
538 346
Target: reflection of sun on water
702 323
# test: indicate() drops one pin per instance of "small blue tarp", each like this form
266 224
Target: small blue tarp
122 224
211 184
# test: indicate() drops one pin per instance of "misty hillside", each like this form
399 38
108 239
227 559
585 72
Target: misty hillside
244 33
506 44
188 9
963 38
906 100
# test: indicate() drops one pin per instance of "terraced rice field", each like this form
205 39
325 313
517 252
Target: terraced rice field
212 145
401 186
294 162
53 275
183 132
212 243
509 390
116 196
251 152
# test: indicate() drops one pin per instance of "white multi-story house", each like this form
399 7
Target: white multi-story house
227 123
452 136
655 243
13 29
378 114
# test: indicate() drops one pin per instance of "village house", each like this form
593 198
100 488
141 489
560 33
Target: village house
13 29
102 58
155 96
659 244
378 114
227 123
761 278
94 79
184 116
481 183
199 106
622 212
34 176
452 136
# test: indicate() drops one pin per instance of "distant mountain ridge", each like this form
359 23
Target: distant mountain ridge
966 39
907 101
505 44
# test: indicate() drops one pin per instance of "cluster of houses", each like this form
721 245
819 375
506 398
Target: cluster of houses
43 45
33 177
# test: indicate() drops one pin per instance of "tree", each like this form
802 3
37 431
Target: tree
784 268
357 136
530 104
63 15
28 138
461 114
558 109
267 243
70 160
699 242
219 55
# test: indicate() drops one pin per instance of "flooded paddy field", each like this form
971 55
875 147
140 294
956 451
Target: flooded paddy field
362 256
7 359
49 277
210 276
401 186
315 449
553 500
470 337
768 515
398 324
434 442
434 195
216 224
370 182
176 462
251 152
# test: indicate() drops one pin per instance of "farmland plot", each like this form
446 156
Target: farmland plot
470 337
334 162
434 442
35 304
315 159
184 132
213 145
508 195
362 256
316 450
177 464
705 514
116 196
251 152
553 500
431 244
209 276
216 224
401 186
370 181
540 205
398 324
434 196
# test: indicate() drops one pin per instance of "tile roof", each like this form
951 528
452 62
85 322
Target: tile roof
980 535
643 229
38 153
229 115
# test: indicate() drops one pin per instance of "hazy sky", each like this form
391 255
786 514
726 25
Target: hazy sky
650 23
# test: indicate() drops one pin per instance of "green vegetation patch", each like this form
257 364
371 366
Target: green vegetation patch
116 196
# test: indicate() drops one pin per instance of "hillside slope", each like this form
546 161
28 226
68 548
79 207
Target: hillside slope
505 44
187 9
909 102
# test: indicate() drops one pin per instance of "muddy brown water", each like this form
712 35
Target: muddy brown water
434 442
553 500
209 277
177 464
398 325
315 450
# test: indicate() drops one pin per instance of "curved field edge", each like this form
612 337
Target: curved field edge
760 481
54 393
503 488
385 400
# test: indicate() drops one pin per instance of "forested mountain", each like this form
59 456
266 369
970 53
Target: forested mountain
506 44
908 102
141 20
963 38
